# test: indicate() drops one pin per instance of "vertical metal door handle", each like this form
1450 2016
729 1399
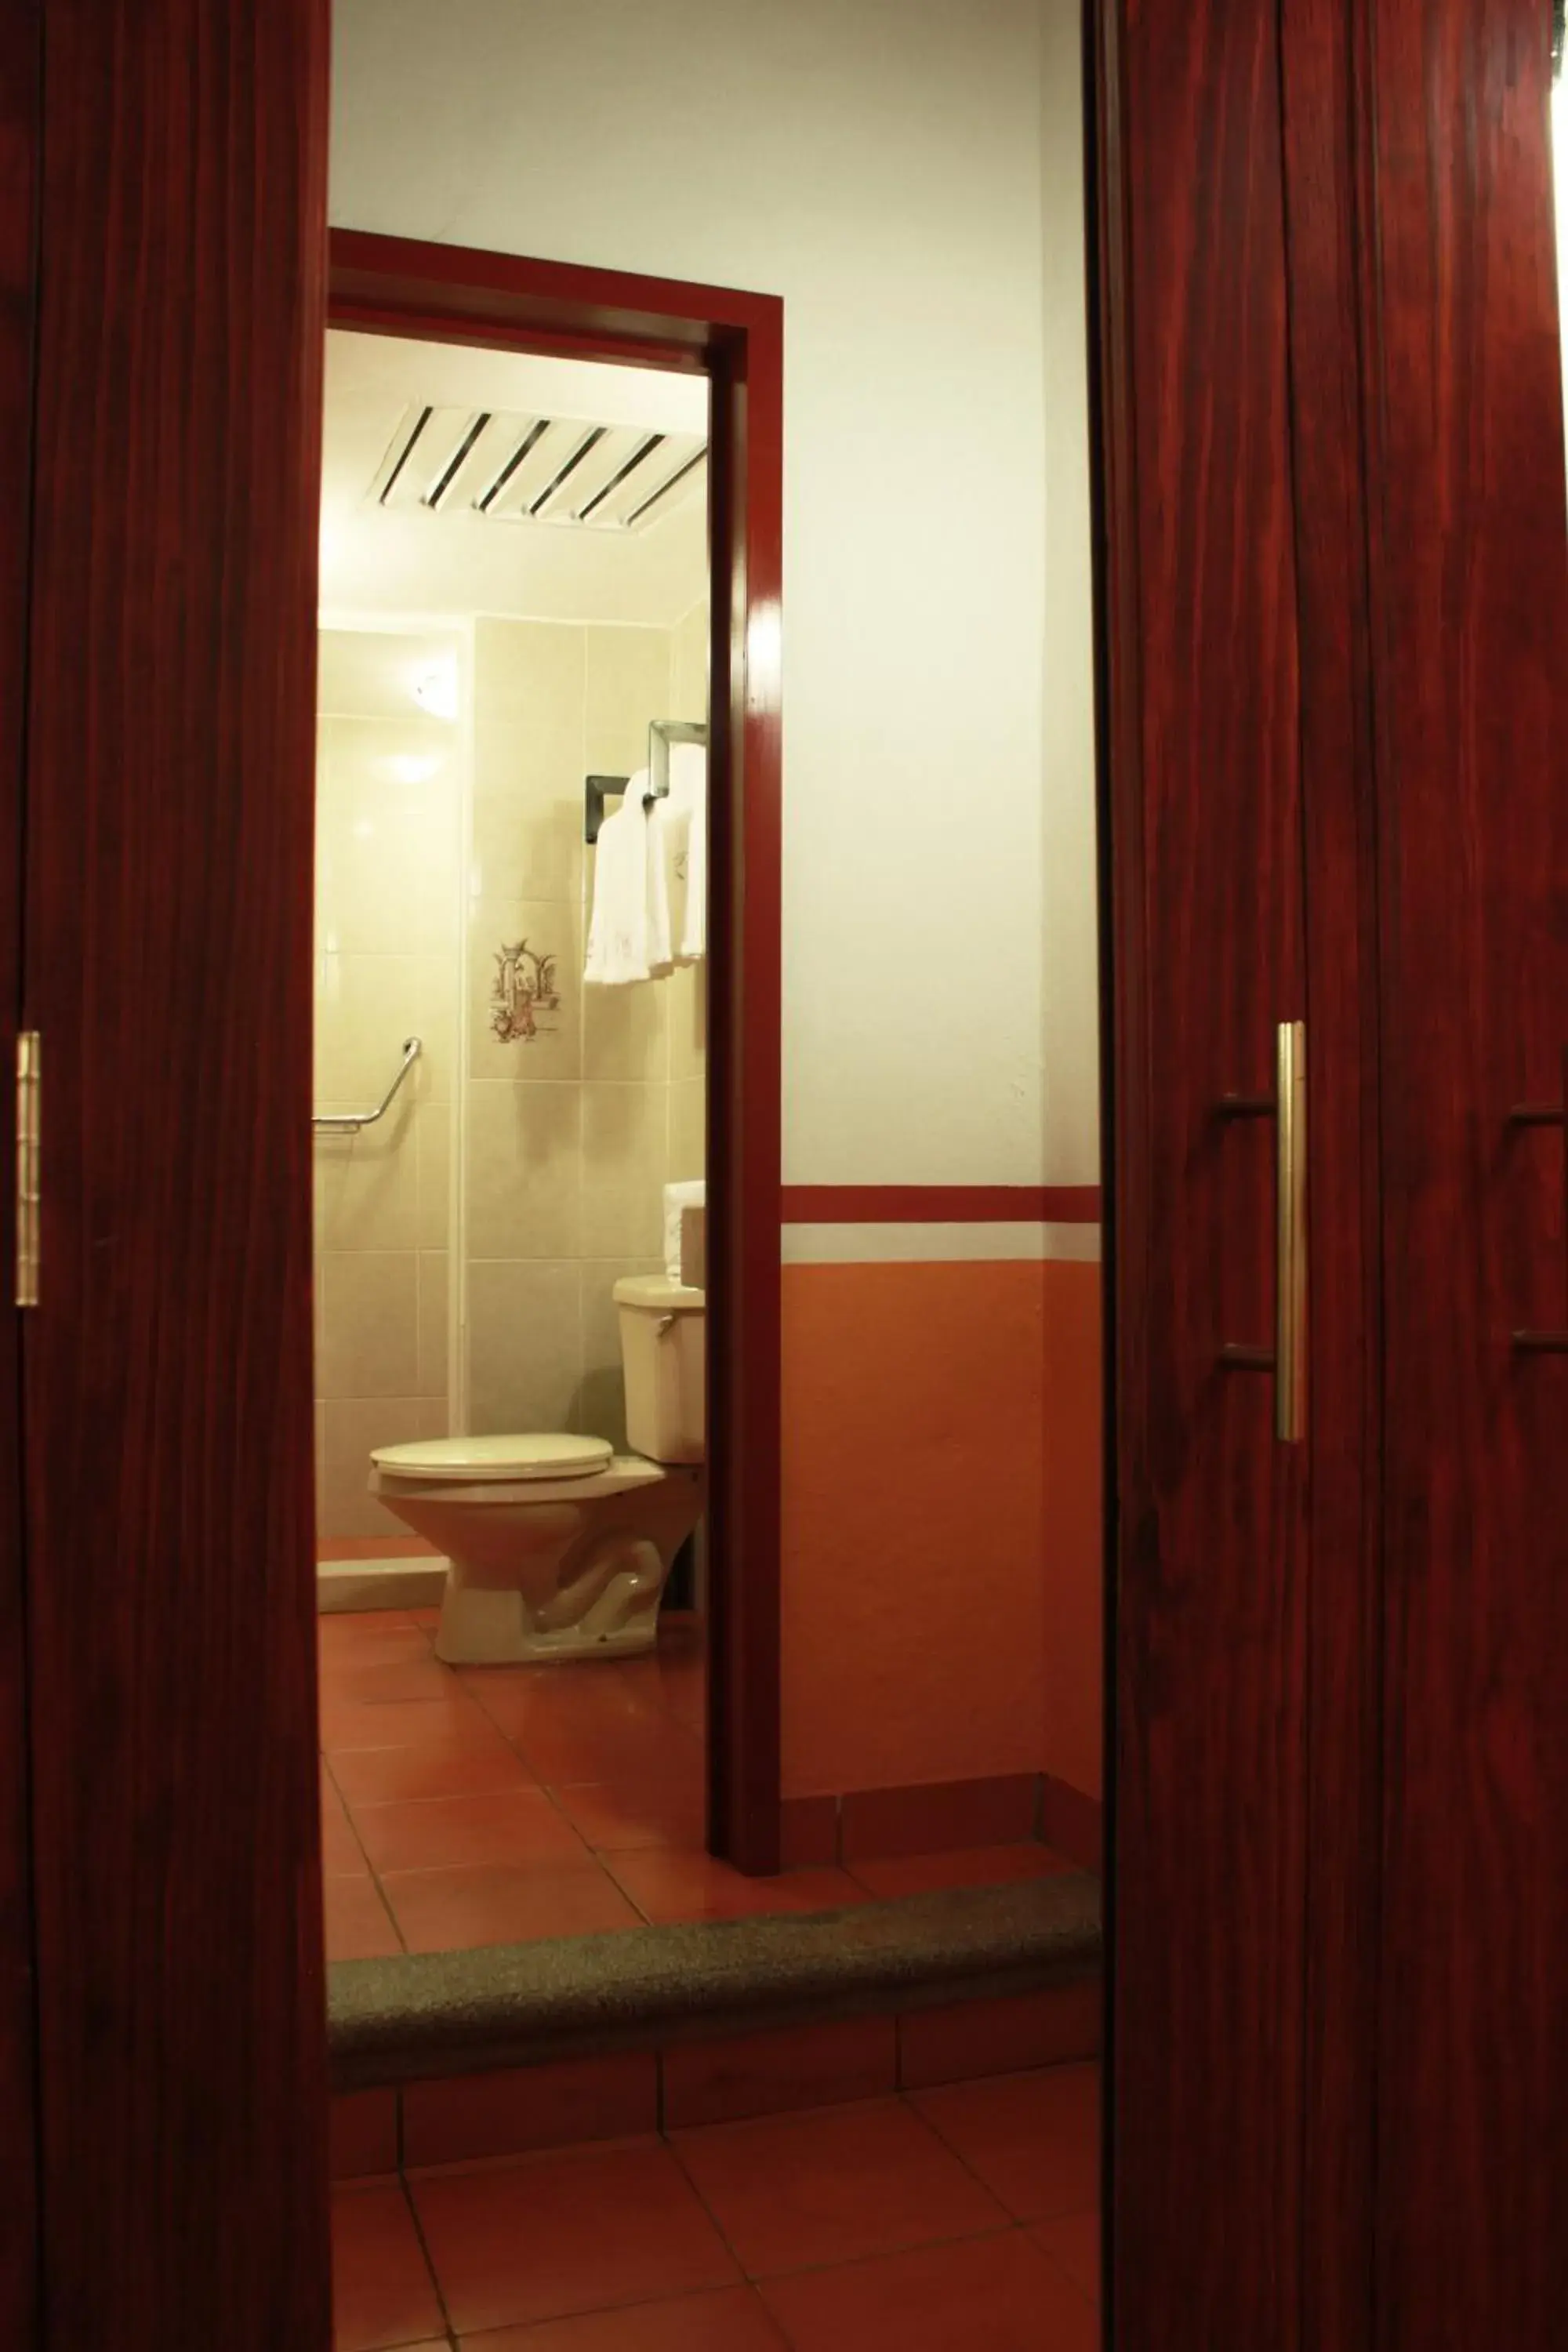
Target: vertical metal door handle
1290 1232
1287 1107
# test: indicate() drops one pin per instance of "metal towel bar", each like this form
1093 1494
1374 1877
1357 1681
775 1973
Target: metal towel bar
350 1122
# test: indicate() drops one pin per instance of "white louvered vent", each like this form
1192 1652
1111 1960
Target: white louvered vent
510 468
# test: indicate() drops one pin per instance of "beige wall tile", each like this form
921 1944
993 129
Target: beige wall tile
434 1078
687 1131
367 1185
368 1343
601 1399
688 989
351 1428
529 845
550 927
386 835
433 1341
689 665
625 1031
523 1167
524 1346
433 1152
624 1147
628 686
528 680
366 1006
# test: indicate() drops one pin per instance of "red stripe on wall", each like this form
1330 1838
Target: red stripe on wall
940 1205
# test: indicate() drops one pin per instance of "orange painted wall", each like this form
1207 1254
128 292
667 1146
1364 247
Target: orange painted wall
932 1624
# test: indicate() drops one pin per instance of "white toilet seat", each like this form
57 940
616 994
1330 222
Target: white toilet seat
515 1459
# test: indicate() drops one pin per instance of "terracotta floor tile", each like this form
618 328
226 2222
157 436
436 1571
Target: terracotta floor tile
984 2294
981 1865
509 1825
833 2184
576 2229
667 1885
1072 2241
621 1816
730 2319
358 1927
459 1910
1033 2139
355 1624
433 1767
382 2289
346 1647
342 1853
534 1702
640 1744
374 1682
406 1723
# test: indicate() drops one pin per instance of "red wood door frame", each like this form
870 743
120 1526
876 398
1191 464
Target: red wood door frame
447 294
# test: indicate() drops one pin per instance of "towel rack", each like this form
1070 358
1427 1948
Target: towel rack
661 734
350 1122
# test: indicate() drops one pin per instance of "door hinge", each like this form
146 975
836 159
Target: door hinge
28 1160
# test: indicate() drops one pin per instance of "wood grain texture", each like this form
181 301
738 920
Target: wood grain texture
20 99
395 285
746 575
1201 703
1469 569
1327 188
940 1204
168 1369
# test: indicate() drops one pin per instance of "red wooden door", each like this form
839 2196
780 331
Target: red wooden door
167 1366
20 94
1468 558
1203 750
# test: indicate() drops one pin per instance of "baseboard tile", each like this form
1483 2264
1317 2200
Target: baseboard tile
353 1584
514 2111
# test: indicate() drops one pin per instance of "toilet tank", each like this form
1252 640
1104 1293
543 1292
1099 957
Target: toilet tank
662 1332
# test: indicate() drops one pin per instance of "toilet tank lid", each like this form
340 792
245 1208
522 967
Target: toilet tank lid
537 1454
657 1292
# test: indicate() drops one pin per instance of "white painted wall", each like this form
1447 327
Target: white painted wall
906 174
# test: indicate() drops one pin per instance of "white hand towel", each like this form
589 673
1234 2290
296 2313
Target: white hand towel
667 826
688 794
618 931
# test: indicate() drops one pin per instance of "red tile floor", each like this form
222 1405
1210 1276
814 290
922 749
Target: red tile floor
495 1805
957 2220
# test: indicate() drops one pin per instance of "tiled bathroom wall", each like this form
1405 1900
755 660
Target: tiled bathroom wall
389 777
569 1133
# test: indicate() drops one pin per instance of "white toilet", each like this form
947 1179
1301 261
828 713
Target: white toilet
559 1546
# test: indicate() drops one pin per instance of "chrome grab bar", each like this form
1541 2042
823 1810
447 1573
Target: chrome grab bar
350 1122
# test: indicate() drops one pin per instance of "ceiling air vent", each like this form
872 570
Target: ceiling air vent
557 469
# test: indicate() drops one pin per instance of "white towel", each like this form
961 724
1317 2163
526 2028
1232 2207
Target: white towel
668 824
617 929
688 794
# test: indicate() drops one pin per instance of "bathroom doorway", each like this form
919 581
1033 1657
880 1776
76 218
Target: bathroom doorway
519 1194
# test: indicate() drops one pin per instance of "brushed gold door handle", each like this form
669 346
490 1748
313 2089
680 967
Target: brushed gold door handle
1290 1232
1287 1360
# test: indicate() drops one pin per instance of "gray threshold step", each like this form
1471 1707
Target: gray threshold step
437 2013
